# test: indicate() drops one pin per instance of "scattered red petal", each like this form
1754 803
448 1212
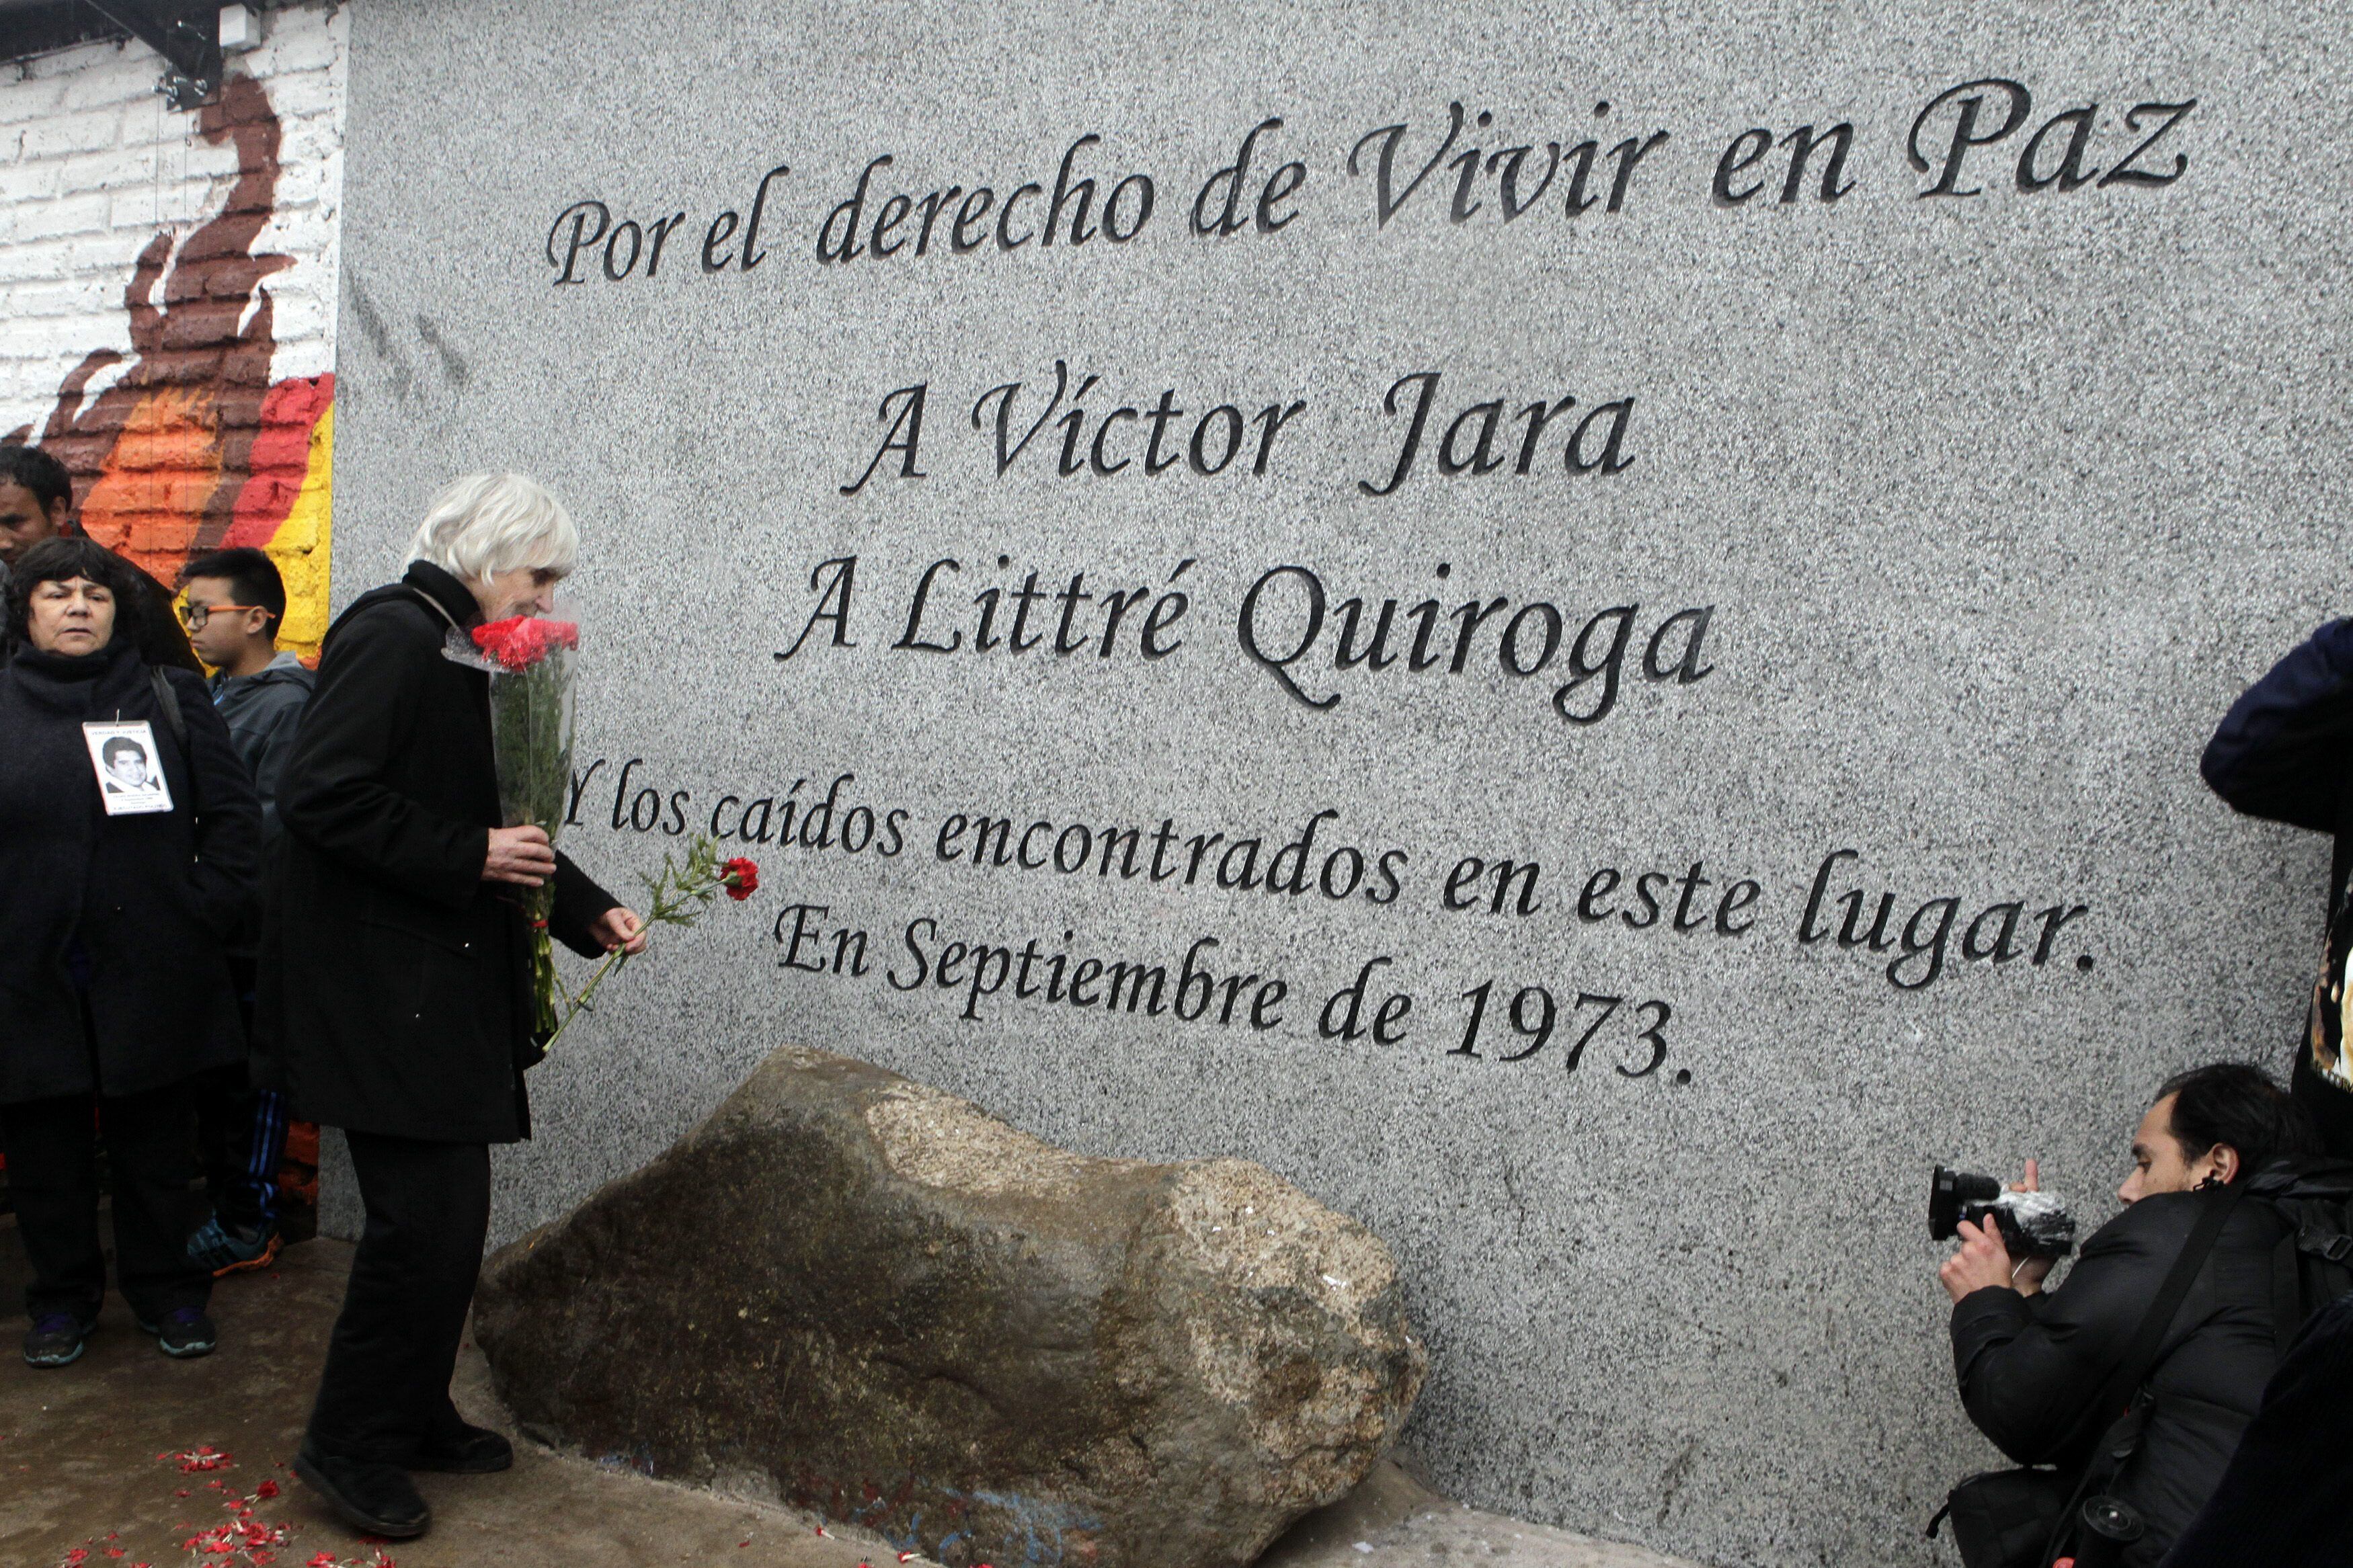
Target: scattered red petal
266 1488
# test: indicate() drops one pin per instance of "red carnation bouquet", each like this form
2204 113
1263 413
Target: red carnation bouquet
521 642
530 663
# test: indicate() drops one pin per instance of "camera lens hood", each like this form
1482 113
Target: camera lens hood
1948 1190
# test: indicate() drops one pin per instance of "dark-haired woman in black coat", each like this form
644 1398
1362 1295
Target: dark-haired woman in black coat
114 992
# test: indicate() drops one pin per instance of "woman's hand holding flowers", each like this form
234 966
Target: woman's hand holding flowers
620 931
518 855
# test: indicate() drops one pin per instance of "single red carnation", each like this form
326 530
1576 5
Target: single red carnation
741 877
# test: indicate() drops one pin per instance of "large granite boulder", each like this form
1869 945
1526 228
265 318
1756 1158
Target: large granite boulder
916 1317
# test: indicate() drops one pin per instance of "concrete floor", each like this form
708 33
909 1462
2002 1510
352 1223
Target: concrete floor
105 1456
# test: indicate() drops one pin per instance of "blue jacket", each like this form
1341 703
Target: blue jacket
262 711
2285 752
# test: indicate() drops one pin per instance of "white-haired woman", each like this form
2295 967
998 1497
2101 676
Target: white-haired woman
395 992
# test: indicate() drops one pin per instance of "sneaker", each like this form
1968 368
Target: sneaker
184 1333
378 1499
56 1340
227 1248
469 1451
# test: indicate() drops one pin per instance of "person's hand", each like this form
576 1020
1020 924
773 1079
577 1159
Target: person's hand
2029 1274
1982 1263
518 855
620 931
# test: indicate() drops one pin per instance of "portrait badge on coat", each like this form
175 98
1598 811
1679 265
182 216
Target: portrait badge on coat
129 771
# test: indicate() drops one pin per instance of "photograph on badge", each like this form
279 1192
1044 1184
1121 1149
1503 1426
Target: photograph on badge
129 778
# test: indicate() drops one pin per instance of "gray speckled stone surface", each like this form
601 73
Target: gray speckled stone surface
1998 500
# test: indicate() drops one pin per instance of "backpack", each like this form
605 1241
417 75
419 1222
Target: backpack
2312 1264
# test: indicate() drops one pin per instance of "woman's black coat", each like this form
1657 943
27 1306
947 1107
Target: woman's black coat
153 898
2030 1366
394 988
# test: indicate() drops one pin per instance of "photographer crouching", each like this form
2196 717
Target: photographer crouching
2133 1378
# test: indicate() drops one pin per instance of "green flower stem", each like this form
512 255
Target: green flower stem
678 896
580 1004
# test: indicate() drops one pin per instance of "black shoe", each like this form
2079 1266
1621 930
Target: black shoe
56 1339
378 1499
469 1451
183 1335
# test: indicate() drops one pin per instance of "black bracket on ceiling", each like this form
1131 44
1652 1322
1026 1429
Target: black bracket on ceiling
188 36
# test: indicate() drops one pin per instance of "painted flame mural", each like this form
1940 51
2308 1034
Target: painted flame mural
193 446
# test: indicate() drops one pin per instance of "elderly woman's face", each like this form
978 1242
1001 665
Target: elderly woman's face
74 616
524 591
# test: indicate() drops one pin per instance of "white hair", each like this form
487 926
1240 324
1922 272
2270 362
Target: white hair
483 524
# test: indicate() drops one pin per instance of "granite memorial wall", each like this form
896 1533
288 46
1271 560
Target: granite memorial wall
1584 629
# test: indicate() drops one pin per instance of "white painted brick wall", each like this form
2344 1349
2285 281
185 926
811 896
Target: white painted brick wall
93 165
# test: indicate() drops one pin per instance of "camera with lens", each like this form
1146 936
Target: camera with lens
2032 1225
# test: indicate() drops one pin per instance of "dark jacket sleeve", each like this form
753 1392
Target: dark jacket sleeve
280 725
2030 1366
227 872
2282 751
578 903
363 712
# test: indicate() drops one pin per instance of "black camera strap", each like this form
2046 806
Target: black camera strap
2140 1357
2114 1412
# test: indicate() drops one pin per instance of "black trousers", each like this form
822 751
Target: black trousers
241 1139
52 1149
2286 1499
240 1130
385 1388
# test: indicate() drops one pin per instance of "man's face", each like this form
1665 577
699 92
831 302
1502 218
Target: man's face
223 635
25 522
129 767
2158 1164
